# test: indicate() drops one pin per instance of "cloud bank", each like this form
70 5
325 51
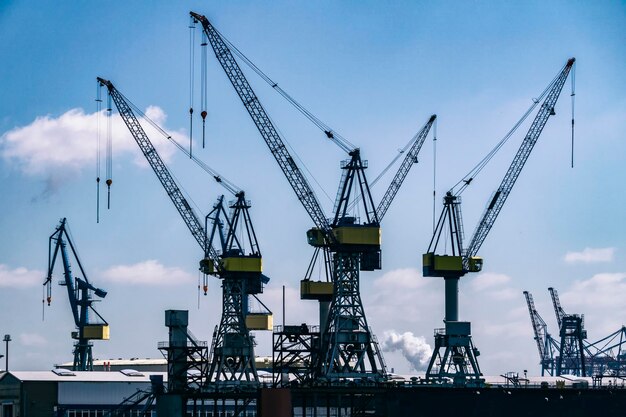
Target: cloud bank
150 272
20 277
65 144
590 255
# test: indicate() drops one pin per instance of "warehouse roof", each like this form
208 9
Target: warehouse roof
62 375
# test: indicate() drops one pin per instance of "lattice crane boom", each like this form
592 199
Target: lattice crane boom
190 218
294 175
501 194
403 171
558 310
539 325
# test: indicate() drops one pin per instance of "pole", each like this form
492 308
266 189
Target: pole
7 339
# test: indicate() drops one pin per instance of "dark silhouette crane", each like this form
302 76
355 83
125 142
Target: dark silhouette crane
348 348
546 345
573 354
458 359
571 359
79 292
232 355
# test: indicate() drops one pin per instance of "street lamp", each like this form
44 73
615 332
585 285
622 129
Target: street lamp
7 339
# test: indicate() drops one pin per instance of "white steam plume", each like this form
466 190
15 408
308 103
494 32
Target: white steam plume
413 348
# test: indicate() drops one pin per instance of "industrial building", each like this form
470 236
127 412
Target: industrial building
70 393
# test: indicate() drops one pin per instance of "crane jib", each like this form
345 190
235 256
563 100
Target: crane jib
296 179
491 213
195 226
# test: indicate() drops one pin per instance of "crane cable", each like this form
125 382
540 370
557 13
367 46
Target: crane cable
469 177
98 132
228 185
192 50
434 174
301 162
331 134
203 85
573 95
109 153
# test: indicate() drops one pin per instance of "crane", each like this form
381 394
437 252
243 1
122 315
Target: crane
348 348
79 292
546 345
241 272
459 358
573 347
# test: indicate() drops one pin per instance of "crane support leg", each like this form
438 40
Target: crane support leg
348 349
232 351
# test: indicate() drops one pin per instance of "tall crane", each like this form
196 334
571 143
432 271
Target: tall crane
546 345
79 292
458 360
241 271
573 347
348 348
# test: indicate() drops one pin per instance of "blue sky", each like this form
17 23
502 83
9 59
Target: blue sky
374 71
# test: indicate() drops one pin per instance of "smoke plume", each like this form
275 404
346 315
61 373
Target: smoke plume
413 348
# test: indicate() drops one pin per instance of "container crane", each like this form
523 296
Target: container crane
458 360
348 348
572 348
79 292
546 345
241 272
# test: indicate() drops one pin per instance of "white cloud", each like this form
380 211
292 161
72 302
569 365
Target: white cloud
20 277
589 255
407 278
32 339
408 292
67 143
150 272
601 290
489 280
414 349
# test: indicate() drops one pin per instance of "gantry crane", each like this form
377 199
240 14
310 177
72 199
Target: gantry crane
571 359
348 348
546 345
458 360
232 356
602 358
79 292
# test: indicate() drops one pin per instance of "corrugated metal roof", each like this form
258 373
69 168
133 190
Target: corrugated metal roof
84 376
122 362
